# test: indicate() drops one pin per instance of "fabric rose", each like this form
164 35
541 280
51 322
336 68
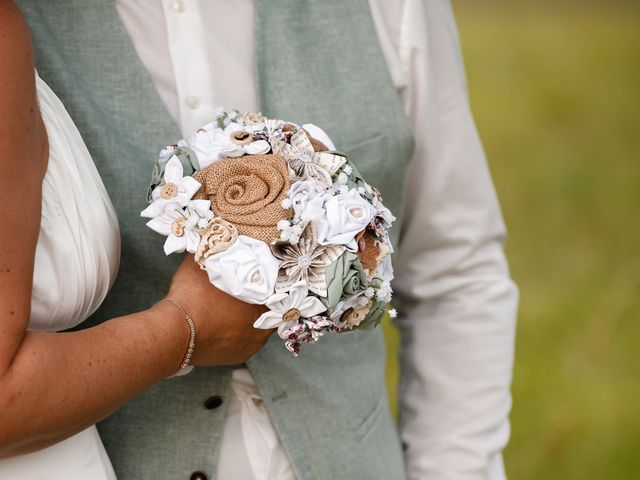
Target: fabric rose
218 236
345 277
248 192
347 214
247 270
212 143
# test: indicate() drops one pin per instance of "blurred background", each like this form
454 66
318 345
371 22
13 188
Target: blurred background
555 90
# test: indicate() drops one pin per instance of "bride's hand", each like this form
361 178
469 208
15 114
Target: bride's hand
224 325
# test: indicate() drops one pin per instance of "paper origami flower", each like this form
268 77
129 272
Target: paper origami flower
304 162
286 309
177 190
306 261
247 270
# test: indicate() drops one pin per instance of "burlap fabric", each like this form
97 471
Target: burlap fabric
247 192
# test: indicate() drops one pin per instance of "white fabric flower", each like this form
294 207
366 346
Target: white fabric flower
354 302
320 135
180 225
212 143
347 214
393 313
307 200
247 270
176 190
286 309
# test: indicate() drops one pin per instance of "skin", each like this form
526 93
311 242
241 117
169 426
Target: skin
54 385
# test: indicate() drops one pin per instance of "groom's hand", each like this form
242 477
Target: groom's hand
224 324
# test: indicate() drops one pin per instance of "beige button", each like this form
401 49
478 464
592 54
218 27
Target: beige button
291 315
179 6
241 137
192 102
177 227
168 191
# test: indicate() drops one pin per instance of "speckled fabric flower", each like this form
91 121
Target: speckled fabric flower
304 162
218 236
305 261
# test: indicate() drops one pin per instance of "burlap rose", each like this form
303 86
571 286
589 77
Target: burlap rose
248 192
217 237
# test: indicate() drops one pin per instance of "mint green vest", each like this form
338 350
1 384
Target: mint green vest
318 61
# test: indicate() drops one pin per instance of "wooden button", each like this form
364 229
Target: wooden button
213 402
241 137
198 476
291 315
177 227
168 191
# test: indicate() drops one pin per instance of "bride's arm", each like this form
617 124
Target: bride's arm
53 385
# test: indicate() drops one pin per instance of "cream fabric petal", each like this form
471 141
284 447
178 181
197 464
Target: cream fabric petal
174 244
161 224
173 171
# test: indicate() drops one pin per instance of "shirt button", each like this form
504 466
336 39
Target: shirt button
179 6
198 476
213 402
192 102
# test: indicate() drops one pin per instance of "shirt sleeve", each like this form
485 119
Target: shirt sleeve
457 302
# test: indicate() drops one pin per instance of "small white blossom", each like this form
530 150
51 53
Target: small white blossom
286 203
283 225
348 169
343 190
369 292
393 313
384 292
342 179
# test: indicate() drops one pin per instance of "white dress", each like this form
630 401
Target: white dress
76 262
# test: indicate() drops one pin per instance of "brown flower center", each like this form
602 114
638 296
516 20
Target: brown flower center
177 227
241 137
291 315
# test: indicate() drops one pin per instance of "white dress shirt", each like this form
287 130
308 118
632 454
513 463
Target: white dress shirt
458 303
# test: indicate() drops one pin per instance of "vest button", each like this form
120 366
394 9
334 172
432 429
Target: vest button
198 476
213 402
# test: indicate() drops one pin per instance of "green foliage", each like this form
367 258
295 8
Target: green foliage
555 93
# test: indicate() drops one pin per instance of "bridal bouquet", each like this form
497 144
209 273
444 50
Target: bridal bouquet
277 216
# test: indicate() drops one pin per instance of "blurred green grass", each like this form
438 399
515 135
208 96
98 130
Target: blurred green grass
555 89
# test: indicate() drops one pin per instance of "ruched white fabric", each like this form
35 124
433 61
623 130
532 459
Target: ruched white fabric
76 262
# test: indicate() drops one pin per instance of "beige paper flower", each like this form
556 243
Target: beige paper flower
305 261
217 237
304 162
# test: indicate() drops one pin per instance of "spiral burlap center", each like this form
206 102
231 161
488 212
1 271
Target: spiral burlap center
247 192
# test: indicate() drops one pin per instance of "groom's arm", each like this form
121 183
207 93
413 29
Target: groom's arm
458 304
